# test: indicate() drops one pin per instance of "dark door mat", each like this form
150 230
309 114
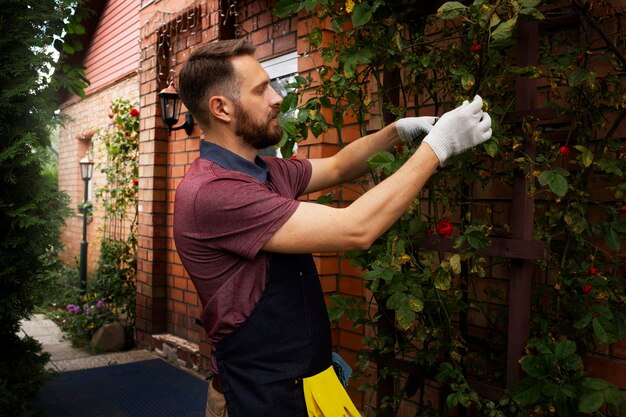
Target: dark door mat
151 388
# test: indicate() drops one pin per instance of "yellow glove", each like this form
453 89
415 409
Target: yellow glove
326 397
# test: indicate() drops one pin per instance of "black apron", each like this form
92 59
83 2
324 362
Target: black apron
285 338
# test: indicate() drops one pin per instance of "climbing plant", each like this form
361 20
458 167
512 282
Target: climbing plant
117 265
385 59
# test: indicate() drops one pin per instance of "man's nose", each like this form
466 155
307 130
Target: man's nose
277 99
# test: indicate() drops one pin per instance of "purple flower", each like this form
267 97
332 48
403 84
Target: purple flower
87 310
70 308
100 304
77 309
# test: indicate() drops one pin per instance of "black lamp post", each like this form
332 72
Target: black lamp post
86 172
170 110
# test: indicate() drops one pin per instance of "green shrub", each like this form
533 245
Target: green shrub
21 377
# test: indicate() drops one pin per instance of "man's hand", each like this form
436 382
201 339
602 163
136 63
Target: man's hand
410 128
459 129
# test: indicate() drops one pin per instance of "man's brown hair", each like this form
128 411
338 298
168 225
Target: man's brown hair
209 72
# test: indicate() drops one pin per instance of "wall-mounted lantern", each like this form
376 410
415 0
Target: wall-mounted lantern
170 110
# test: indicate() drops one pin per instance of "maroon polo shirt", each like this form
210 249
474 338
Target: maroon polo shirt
226 208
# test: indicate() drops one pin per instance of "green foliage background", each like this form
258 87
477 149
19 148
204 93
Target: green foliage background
442 53
31 209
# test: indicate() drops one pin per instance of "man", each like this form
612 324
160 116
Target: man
245 239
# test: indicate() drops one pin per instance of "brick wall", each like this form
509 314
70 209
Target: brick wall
85 116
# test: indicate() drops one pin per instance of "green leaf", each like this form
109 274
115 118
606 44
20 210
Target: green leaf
532 12
467 81
310 4
491 147
590 401
67 48
595 384
455 262
442 281
529 3
504 30
451 10
612 239
532 366
477 239
549 389
583 321
600 331
415 303
611 166
315 37
619 227
586 156
614 396
383 161
284 8
528 391
349 67
405 316
556 182
564 349
361 14
453 399
580 77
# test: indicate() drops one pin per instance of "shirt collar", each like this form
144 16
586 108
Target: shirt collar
229 160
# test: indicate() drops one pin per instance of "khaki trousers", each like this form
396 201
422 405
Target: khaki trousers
215 403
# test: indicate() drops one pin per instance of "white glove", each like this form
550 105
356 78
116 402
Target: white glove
409 128
459 129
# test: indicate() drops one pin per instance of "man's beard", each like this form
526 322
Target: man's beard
258 134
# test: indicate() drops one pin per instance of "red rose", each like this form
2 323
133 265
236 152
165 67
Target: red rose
587 289
475 48
623 209
126 134
444 228
134 112
399 148
564 150
580 57
593 271
135 182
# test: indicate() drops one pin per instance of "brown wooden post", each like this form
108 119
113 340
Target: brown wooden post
522 214
386 323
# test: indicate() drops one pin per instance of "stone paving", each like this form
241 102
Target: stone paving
65 357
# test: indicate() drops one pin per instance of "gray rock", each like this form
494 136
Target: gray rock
109 338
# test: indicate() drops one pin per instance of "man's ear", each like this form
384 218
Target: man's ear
221 108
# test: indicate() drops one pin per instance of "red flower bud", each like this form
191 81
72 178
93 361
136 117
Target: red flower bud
399 148
593 271
587 289
135 182
134 112
476 47
444 228
564 150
